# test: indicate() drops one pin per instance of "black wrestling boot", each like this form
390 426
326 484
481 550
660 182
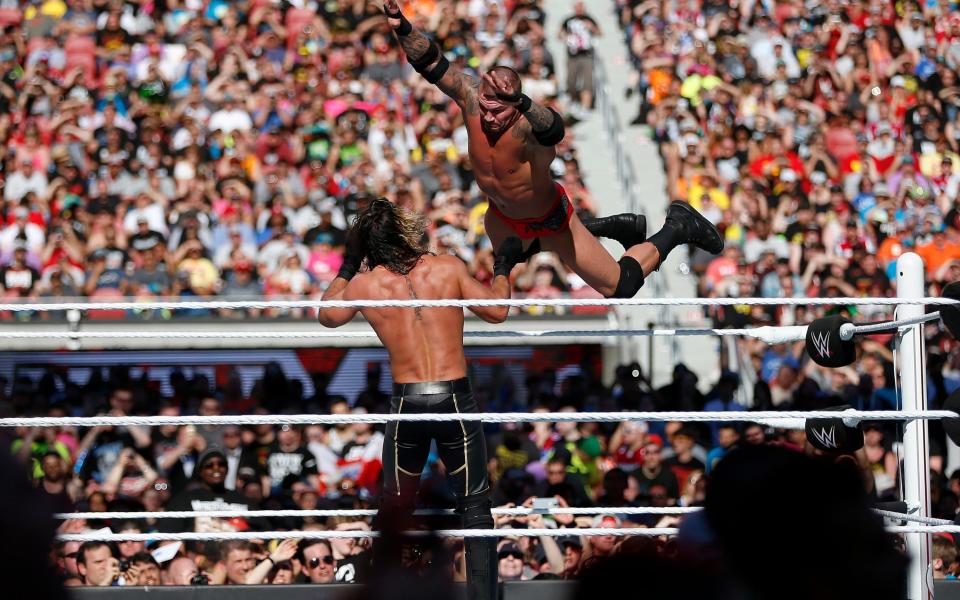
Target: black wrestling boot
627 228
482 568
684 225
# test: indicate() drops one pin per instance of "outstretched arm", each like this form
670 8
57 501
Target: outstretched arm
426 58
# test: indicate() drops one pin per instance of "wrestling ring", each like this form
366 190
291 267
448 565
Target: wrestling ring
915 525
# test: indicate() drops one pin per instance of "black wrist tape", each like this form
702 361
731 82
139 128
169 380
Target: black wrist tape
525 103
405 27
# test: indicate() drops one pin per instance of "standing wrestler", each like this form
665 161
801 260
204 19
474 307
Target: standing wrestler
428 365
511 145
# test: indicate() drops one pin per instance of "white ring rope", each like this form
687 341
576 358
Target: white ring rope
328 535
769 334
514 302
925 529
520 511
766 333
464 533
360 513
895 516
508 417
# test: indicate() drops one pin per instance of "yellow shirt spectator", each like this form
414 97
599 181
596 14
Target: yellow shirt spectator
203 274
929 163
719 197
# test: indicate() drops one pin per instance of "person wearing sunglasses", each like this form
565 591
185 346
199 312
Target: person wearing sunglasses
428 365
319 565
207 491
510 562
67 559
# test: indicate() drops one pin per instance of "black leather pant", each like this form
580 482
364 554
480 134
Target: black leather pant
462 448
461 444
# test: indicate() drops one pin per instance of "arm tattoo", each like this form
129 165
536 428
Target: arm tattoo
540 118
455 84
521 131
462 88
414 45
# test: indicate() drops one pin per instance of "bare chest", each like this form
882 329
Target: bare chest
496 159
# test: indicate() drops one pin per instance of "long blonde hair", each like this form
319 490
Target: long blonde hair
389 235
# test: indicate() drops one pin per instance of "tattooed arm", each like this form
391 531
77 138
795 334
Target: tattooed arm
525 132
540 117
456 84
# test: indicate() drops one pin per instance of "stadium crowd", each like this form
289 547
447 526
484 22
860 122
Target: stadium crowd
209 469
216 148
820 137
219 148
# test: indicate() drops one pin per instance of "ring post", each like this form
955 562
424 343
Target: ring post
916 467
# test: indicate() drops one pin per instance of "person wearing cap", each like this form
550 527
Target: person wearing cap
289 460
602 546
17 276
428 364
572 554
26 178
513 171
206 491
202 275
143 238
948 182
232 117
241 282
510 564
151 278
706 185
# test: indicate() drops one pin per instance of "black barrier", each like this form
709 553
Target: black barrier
514 590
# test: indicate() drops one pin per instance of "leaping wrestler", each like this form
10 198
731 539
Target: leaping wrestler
511 142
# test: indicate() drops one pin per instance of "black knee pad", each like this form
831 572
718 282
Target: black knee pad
631 278
533 250
475 511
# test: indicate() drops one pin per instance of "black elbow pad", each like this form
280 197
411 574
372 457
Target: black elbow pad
419 64
552 135
436 73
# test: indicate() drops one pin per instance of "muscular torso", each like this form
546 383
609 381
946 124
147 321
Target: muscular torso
424 344
513 171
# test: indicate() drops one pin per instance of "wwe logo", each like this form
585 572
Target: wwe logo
827 439
821 341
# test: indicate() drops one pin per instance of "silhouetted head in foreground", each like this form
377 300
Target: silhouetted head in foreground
789 525
417 567
28 528
777 525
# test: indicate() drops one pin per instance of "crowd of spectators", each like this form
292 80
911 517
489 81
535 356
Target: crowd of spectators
209 469
214 148
219 148
821 138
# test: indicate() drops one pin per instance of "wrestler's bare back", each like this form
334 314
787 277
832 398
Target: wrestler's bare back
425 344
